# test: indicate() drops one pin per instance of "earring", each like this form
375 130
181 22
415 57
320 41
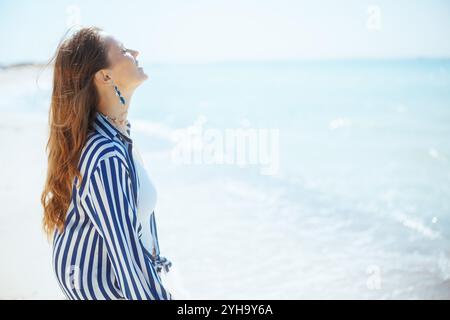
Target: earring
121 98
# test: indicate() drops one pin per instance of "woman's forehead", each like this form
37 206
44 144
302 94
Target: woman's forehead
113 44
111 41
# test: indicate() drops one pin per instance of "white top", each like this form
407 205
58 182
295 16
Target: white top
146 201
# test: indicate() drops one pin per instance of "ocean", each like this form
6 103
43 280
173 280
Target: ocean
342 189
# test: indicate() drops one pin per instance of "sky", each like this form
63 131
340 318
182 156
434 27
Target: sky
218 30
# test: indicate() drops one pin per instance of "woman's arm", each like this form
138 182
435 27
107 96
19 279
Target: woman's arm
115 217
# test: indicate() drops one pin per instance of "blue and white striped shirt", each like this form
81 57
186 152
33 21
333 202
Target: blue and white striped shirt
100 254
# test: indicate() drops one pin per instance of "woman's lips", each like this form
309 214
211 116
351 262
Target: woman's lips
137 65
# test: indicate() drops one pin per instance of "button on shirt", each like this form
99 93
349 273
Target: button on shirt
100 254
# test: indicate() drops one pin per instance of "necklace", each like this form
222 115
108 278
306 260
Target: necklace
116 121
119 124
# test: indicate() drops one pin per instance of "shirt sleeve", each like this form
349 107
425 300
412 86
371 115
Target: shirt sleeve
114 215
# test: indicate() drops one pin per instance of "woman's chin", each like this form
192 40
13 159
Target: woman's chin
140 79
142 73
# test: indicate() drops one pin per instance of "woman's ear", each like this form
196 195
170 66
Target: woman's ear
102 77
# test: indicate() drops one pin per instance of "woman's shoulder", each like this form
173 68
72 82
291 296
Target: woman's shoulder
98 148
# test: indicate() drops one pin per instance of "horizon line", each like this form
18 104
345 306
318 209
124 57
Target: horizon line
227 61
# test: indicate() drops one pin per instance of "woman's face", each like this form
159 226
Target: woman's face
124 67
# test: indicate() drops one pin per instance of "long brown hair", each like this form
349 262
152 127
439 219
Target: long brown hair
72 109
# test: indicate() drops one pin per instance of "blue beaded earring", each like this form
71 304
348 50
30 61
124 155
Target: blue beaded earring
121 98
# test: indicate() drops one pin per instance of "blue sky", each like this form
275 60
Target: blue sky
201 30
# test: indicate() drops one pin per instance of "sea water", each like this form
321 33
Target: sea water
358 205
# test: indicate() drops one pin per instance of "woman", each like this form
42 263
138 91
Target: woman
98 199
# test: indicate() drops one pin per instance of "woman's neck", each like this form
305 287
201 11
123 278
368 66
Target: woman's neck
111 106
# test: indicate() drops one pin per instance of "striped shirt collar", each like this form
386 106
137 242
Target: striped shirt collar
106 128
